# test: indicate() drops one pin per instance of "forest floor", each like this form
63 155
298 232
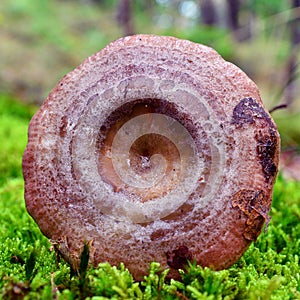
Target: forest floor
33 58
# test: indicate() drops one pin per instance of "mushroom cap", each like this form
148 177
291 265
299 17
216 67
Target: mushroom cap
153 149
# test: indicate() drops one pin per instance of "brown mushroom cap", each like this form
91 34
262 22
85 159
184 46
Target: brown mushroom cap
153 149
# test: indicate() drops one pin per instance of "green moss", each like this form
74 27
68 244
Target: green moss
30 270
14 118
289 128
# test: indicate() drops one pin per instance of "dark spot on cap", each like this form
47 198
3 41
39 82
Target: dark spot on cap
63 127
178 258
255 206
247 111
266 152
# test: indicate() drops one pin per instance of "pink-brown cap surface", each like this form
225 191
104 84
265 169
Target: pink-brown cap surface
153 149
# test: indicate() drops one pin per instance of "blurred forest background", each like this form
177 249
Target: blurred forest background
42 40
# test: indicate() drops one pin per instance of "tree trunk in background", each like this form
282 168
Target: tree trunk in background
233 8
124 17
233 14
292 64
208 12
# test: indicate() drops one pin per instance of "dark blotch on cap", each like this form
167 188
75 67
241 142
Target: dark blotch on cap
178 258
247 111
255 205
266 151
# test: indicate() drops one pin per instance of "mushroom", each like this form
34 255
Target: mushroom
153 149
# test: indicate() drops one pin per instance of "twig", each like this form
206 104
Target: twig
277 107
